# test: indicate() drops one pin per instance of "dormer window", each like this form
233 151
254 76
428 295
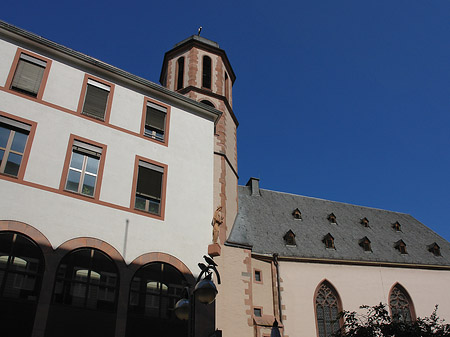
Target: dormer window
365 244
435 249
328 240
297 214
289 238
364 222
401 247
332 218
397 227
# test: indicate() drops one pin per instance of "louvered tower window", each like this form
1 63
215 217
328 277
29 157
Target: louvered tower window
206 79
180 72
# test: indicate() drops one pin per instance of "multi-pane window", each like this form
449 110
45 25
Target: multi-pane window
327 310
149 188
83 168
155 121
87 278
13 139
155 289
28 75
206 78
96 99
400 305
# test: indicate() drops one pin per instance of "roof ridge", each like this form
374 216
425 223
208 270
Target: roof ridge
333 201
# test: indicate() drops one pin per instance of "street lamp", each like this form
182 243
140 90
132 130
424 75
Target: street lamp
205 291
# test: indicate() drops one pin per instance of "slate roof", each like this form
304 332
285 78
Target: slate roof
263 220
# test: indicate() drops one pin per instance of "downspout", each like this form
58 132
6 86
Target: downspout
275 261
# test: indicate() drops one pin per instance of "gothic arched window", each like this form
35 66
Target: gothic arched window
155 289
401 305
327 309
85 295
21 269
206 78
180 73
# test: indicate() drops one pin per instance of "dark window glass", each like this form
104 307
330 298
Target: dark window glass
257 312
257 276
87 278
327 311
155 121
180 74
400 305
149 188
207 103
84 296
206 83
155 289
28 75
21 268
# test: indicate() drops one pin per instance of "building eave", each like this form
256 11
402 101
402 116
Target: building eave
27 37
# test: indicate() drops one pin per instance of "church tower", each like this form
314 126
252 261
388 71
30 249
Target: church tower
197 68
200 70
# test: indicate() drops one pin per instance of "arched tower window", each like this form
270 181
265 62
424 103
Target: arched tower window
328 306
86 279
207 103
180 73
21 269
155 289
206 78
401 305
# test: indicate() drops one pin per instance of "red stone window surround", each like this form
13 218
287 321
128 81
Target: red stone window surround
151 165
84 163
29 58
148 122
93 93
257 276
17 123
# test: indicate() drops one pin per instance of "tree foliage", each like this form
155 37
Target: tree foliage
377 322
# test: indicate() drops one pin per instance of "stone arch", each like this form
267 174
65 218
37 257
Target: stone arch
25 229
162 257
89 242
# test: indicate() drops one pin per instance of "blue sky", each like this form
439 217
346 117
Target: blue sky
341 100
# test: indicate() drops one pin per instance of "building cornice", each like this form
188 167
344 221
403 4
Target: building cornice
268 257
26 37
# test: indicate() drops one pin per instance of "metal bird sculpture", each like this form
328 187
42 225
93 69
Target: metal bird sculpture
202 266
209 260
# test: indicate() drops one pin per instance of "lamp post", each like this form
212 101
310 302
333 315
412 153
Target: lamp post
205 292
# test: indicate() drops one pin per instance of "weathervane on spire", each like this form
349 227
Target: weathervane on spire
199 30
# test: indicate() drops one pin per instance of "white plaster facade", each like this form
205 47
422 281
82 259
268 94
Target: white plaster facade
356 285
185 231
